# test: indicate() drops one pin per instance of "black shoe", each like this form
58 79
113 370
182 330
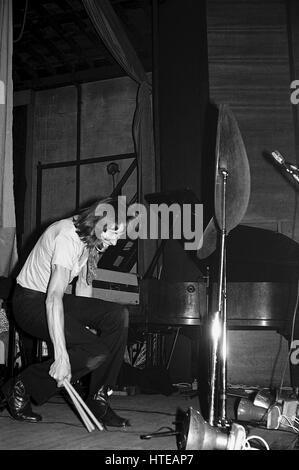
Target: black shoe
103 412
18 401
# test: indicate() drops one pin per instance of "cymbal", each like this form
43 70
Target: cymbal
230 156
209 242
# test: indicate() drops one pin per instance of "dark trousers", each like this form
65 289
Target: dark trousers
101 354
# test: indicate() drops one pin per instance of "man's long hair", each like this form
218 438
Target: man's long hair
86 220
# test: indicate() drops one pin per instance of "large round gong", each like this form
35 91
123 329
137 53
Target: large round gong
230 156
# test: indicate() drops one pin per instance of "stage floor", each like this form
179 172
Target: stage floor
61 429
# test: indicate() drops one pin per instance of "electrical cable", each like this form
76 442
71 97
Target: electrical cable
73 425
145 411
23 23
160 433
47 422
247 445
289 423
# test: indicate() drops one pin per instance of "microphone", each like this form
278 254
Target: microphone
289 167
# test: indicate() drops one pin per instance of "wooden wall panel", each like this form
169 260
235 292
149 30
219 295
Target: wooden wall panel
244 14
54 140
228 74
248 44
272 196
55 125
252 96
294 34
107 113
59 194
95 182
107 109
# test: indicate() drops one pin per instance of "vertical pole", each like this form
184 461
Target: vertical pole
217 327
292 24
155 44
39 184
224 352
78 151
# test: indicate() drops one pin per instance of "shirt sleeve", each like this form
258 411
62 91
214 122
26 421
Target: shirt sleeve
64 253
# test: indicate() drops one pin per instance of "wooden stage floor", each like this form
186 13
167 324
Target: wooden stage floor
61 429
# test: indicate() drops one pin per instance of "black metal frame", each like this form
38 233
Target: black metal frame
77 163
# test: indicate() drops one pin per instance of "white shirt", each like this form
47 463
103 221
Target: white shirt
59 244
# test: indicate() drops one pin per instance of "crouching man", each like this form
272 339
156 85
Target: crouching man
68 249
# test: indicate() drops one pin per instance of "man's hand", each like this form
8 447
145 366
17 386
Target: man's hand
60 370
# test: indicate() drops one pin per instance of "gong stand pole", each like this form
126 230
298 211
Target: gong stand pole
223 398
219 318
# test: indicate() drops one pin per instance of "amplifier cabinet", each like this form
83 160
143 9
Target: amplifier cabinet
116 286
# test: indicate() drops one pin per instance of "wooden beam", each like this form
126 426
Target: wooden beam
22 98
83 76
24 66
37 56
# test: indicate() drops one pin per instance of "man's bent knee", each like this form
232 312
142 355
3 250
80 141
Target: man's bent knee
96 361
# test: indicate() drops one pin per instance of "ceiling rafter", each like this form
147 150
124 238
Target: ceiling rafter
92 36
53 49
64 36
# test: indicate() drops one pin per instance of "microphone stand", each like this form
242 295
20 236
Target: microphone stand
219 322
